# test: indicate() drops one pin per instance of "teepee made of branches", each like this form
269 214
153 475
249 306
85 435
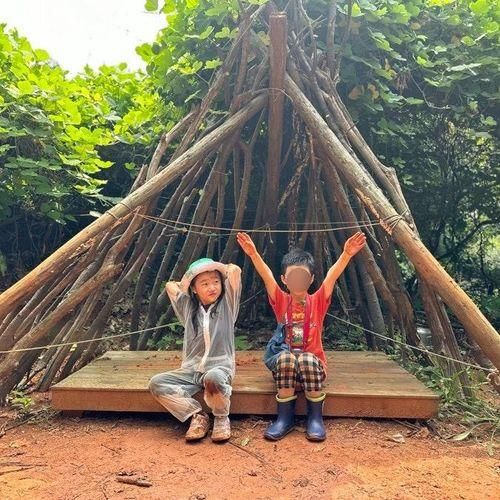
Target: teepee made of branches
271 148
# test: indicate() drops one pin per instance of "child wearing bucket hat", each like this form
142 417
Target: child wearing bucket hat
206 301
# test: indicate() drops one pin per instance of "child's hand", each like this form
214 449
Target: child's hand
246 244
355 243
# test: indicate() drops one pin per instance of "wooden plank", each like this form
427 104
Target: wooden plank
126 380
255 385
338 370
258 404
361 384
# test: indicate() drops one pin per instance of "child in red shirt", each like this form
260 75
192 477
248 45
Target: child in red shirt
303 359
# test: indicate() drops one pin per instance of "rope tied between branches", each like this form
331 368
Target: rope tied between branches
388 223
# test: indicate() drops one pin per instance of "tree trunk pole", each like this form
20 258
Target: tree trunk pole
278 52
56 262
475 323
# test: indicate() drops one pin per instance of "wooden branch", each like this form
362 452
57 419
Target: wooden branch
406 315
347 32
155 241
136 481
7 334
165 140
219 215
358 179
200 214
342 289
12 360
330 38
218 81
243 194
29 316
57 261
317 237
351 132
369 264
162 271
389 181
75 332
277 58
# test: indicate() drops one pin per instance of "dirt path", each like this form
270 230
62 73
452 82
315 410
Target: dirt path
65 458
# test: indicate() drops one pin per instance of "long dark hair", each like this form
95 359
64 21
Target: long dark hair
195 303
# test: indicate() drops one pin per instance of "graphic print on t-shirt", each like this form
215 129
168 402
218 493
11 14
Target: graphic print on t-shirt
296 328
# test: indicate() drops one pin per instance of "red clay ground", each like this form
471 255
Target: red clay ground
64 458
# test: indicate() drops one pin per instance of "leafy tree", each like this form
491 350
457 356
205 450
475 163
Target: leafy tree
59 136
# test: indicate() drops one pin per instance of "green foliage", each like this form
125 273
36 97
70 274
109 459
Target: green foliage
172 339
342 337
53 129
20 401
446 386
490 304
193 43
420 53
418 76
241 343
69 146
475 413
415 75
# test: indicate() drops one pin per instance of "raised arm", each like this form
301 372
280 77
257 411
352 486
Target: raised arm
248 246
173 288
233 276
180 300
351 247
233 288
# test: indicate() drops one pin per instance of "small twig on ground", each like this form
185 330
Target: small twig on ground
264 462
408 424
250 452
109 448
136 481
5 427
21 468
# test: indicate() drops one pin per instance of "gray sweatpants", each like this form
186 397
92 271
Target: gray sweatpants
174 390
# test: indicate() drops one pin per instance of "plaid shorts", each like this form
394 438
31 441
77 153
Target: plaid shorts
305 369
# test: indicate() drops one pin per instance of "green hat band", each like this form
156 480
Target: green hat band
200 262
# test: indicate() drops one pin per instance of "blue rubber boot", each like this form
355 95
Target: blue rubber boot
285 422
315 429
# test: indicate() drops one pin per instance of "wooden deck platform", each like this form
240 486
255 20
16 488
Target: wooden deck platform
359 384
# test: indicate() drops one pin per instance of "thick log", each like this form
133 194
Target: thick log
474 322
277 59
55 263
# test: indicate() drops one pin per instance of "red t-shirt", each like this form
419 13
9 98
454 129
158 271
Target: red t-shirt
319 304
